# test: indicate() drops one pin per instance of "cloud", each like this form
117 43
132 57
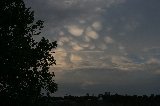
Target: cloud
75 58
153 61
75 30
120 59
85 84
102 46
60 57
92 80
121 47
60 52
157 72
85 45
76 47
86 39
63 40
97 26
91 33
108 40
110 44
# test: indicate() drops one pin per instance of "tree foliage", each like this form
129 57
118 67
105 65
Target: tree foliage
24 62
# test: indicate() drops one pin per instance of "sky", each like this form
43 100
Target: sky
103 45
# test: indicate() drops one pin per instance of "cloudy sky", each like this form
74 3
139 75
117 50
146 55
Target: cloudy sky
103 45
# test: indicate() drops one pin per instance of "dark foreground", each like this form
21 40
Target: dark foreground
101 100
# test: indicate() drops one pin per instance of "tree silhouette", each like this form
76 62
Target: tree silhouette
24 62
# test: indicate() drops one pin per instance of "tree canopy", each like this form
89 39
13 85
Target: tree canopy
24 62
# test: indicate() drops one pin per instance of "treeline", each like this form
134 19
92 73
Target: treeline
101 100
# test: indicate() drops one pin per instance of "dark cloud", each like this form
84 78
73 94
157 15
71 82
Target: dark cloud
96 81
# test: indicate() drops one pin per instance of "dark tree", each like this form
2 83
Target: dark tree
24 62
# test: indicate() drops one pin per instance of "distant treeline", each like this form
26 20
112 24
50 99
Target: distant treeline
101 100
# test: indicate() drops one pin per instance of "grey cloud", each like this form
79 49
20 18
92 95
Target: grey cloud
134 24
117 81
58 10
130 25
139 15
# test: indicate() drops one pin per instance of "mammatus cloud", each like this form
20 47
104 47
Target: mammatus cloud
111 44
80 46
75 30
97 26
63 40
87 26
108 40
76 47
91 33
